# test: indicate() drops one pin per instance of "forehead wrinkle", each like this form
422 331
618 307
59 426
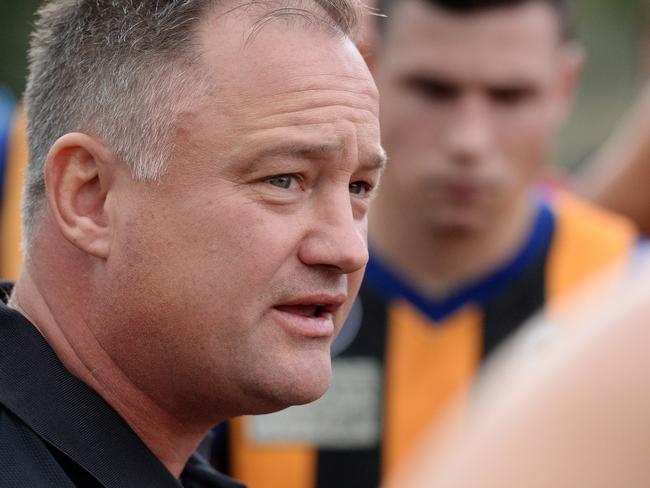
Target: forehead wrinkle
321 99
368 92
304 107
317 114
297 107
321 82
310 147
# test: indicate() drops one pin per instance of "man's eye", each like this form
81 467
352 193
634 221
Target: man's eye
431 89
512 96
360 188
281 181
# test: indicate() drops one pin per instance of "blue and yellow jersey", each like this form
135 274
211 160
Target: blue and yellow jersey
7 108
12 168
402 357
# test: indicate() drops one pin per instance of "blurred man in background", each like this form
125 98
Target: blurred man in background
567 411
463 248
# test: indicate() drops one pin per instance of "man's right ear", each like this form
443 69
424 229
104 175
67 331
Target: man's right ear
79 173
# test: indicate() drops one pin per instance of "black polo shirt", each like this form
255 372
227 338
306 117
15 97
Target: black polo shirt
55 431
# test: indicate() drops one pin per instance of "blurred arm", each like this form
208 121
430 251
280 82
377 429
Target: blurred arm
618 175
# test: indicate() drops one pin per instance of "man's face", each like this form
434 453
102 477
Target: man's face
239 268
469 107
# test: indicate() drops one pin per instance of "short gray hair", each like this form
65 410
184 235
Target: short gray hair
123 70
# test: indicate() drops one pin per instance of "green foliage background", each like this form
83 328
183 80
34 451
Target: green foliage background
610 30
15 24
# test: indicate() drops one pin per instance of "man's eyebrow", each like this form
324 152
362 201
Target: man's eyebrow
379 160
315 150
301 149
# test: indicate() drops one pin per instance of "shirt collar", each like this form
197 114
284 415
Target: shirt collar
70 416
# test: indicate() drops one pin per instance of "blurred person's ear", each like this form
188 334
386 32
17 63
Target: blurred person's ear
367 38
79 173
568 74
367 51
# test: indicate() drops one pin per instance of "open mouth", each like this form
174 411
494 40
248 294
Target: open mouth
311 316
310 311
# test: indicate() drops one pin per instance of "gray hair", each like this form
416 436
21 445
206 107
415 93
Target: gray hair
122 71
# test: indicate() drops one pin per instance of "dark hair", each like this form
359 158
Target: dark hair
464 7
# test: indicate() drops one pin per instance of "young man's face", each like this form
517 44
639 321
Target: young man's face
244 261
469 106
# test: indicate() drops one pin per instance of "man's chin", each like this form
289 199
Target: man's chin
292 389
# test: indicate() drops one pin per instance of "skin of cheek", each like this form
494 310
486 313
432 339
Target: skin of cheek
287 370
233 267
528 150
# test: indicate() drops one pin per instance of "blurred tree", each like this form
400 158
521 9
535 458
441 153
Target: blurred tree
15 24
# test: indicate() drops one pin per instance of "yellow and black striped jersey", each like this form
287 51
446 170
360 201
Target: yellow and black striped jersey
402 357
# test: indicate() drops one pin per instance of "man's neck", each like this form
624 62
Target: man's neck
438 261
171 440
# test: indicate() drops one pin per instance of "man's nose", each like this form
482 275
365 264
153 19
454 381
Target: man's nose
335 239
470 130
